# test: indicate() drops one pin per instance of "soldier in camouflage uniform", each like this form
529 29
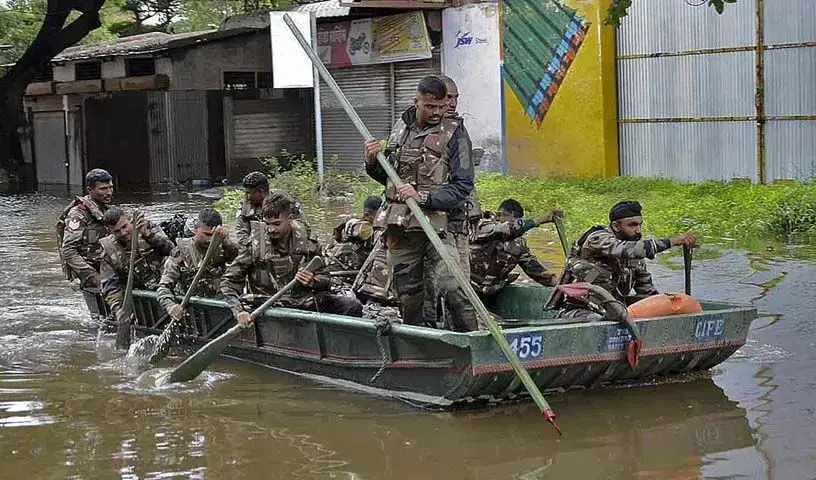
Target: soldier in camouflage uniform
457 221
256 189
497 246
79 230
154 247
614 258
433 155
185 260
353 239
279 247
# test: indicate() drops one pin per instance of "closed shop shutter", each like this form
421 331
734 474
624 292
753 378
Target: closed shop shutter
265 127
368 89
49 147
407 76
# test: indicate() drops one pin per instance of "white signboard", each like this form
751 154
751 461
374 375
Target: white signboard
291 67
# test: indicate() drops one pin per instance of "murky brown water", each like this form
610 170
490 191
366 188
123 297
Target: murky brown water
68 408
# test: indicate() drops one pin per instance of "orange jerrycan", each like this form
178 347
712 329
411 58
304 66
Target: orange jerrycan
664 304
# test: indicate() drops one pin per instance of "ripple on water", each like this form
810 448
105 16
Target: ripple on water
755 352
154 381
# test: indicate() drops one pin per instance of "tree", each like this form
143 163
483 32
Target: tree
619 8
64 23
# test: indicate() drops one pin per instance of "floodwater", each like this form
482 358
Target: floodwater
69 407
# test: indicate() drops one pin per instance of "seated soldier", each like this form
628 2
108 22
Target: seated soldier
614 258
353 238
186 258
256 190
497 246
154 247
279 247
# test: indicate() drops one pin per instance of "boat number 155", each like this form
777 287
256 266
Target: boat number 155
527 346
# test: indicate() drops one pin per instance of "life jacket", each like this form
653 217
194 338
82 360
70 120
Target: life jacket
610 273
421 161
90 250
273 268
192 257
374 280
147 268
492 262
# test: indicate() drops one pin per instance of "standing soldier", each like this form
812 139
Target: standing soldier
432 154
497 246
154 247
457 218
79 230
353 239
186 258
279 248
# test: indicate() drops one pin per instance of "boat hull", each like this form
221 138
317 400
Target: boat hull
440 367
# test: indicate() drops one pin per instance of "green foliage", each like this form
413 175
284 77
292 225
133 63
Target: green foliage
748 213
619 9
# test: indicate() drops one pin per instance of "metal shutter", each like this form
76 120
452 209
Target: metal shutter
407 76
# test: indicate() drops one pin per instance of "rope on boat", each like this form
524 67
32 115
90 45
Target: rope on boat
383 326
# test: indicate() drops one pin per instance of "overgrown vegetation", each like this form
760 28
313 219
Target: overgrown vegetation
739 210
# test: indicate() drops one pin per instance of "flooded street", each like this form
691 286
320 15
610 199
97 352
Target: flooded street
70 409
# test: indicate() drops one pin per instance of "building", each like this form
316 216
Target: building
545 89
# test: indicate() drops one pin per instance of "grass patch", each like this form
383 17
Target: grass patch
745 213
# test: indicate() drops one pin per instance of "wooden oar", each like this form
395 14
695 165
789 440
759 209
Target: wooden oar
562 236
163 344
453 266
687 267
199 361
123 327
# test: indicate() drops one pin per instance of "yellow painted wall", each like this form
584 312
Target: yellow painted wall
578 136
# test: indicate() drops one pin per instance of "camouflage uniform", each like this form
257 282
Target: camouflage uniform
146 271
352 242
619 266
183 264
248 213
436 160
374 280
268 266
80 229
496 248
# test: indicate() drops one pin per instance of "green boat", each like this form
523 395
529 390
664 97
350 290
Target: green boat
441 368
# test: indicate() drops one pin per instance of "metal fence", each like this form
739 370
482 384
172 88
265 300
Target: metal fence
704 96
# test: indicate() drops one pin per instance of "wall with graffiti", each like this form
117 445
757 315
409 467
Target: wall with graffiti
558 88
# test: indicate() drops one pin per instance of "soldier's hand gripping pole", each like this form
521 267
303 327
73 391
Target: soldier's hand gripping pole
453 267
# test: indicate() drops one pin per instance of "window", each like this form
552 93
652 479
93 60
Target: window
88 70
140 67
239 81
47 75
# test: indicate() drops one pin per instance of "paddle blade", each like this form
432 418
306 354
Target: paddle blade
199 361
123 336
633 349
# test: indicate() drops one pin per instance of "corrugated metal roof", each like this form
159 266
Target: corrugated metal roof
327 9
260 18
145 43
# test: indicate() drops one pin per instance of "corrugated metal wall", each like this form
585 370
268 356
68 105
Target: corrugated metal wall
177 136
790 89
376 96
162 169
188 139
693 103
368 88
